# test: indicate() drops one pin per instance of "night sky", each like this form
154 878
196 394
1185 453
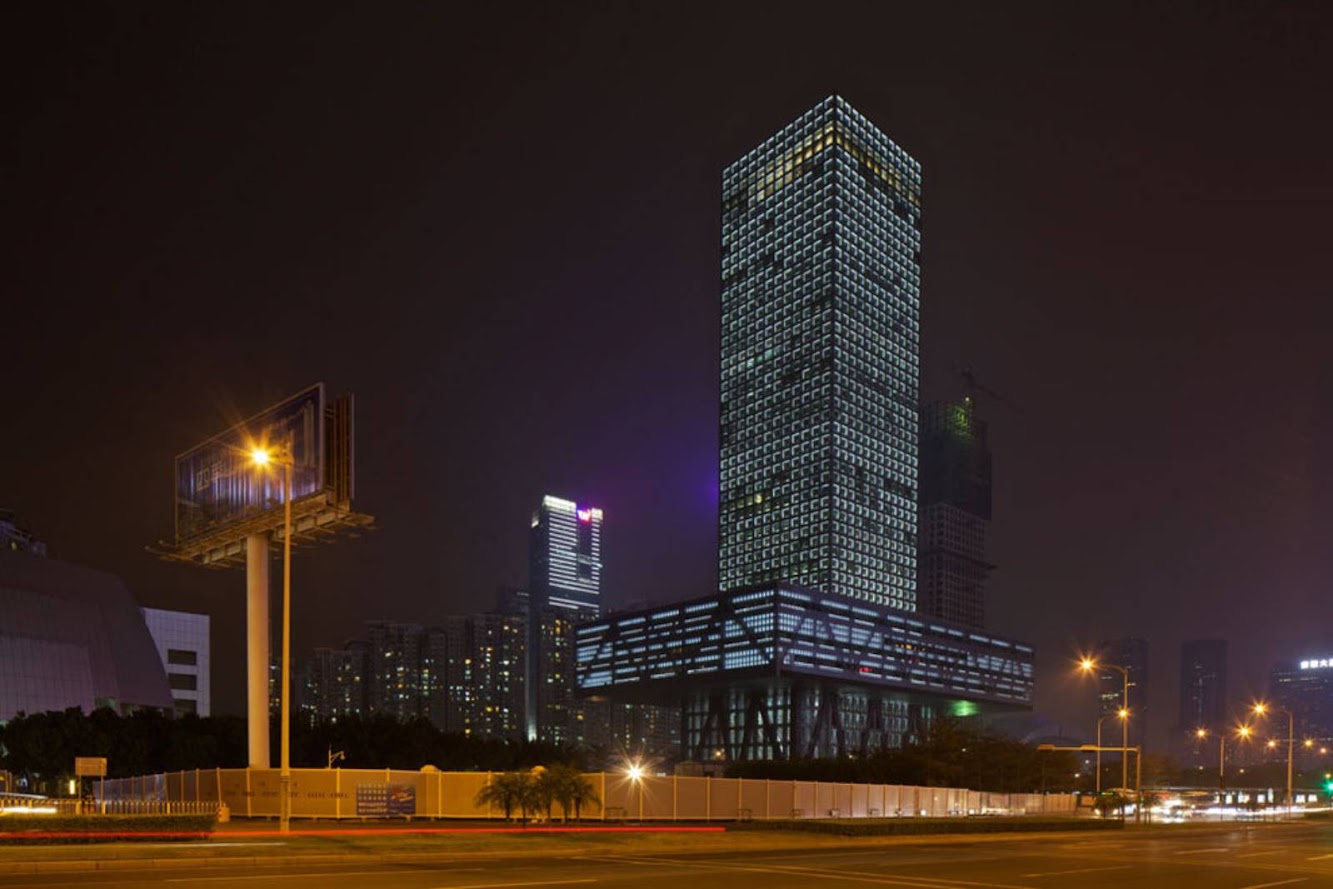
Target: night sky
500 230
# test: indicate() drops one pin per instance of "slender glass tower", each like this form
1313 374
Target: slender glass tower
821 271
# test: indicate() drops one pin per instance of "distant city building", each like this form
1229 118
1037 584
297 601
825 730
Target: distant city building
73 637
183 645
400 669
564 588
632 731
565 556
485 656
335 682
1131 654
813 647
15 538
1203 702
1203 684
1305 688
955 512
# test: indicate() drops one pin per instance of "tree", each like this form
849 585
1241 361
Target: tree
566 785
509 790
503 791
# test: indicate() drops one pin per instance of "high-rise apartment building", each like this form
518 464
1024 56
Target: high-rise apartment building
402 674
821 278
1132 654
334 683
955 513
484 673
564 587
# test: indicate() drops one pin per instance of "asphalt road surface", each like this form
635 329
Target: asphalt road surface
1298 856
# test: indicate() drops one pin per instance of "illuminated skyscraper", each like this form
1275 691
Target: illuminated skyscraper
564 587
565 556
813 646
821 271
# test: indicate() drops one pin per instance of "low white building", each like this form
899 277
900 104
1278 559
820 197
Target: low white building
182 643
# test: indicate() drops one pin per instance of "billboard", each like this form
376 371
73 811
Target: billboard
217 483
386 799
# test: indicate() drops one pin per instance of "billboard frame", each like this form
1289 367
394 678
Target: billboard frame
245 502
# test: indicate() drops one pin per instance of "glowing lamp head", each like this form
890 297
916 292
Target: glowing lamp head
635 772
1123 713
1201 733
1243 731
1087 665
1260 709
261 456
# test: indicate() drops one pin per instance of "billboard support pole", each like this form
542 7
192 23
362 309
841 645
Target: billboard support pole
257 646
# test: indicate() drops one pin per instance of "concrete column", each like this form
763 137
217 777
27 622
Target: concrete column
257 639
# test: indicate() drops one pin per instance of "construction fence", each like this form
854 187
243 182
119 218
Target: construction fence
385 793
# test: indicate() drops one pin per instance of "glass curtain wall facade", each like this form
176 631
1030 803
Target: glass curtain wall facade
821 270
955 513
1203 684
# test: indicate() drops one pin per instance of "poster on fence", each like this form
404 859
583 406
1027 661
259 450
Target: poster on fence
386 799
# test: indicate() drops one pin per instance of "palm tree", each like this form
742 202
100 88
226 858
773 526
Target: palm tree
506 790
541 791
570 788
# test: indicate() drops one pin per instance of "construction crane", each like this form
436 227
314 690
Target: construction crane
972 386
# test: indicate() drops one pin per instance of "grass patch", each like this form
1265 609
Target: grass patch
886 827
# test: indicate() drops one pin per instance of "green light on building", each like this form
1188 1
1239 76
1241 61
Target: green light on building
963 708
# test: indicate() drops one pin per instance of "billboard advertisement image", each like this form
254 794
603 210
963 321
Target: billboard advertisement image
218 483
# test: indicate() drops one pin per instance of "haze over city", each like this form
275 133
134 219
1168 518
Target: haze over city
502 233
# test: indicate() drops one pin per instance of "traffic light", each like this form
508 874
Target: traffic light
1328 783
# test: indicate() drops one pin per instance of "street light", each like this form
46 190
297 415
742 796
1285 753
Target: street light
1262 709
634 771
264 457
1242 733
1087 665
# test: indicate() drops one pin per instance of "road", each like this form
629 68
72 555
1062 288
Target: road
1297 856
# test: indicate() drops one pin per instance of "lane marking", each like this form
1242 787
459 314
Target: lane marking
1081 870
1319 857
1278 883
505 885
1254 854
1200 851
331 873
362 873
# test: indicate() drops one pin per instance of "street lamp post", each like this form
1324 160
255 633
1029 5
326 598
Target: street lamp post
1123 714
1088 665
264 457
1262 709
1242 732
